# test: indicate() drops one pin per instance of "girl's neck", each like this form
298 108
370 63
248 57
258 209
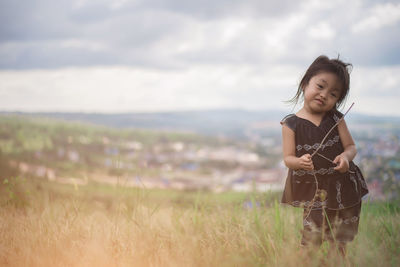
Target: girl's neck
309 112
314 117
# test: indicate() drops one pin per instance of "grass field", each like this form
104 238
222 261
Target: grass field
47 224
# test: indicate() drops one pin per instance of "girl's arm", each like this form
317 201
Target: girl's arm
349 147
289 152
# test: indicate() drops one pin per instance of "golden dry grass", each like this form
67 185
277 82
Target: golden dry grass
57 225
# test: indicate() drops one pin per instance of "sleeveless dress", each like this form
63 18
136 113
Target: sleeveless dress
343 191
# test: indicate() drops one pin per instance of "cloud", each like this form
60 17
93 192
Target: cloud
124 89
83 44
115 55
377 82
176 34
121 88
321 31
377 17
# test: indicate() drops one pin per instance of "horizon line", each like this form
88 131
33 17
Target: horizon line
89 112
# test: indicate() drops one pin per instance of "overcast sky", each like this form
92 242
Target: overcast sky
155 55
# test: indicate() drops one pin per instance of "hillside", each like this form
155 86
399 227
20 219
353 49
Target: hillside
210 150
229 122
73 152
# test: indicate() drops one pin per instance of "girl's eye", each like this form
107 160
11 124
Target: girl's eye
320 86
334 95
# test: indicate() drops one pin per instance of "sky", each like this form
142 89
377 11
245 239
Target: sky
114 56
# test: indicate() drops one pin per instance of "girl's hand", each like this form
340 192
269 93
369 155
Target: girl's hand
342 163
306 163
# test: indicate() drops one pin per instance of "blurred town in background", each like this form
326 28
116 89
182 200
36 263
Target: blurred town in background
216 151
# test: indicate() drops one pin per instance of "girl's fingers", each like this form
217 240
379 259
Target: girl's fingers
337 160
306 162
341 167
337 168
310 168
307 165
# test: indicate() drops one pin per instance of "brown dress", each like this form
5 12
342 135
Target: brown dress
343 191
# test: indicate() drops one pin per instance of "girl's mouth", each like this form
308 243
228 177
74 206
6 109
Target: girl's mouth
319 101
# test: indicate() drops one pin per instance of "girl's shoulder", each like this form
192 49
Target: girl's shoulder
290 121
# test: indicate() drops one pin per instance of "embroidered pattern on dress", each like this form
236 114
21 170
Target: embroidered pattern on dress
322 171
306 223
350 220
308 147
339 195
316 204
299 182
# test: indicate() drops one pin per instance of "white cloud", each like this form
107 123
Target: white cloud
83 44
167 34
377 82
321 31
117 55
113 89
378 17
123 89
375 90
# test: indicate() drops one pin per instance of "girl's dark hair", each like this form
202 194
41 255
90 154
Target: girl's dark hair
324 64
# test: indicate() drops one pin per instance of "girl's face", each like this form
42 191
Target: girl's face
322 92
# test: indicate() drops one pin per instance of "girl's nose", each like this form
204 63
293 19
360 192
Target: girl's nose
323 93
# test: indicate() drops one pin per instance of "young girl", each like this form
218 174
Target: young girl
318 150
